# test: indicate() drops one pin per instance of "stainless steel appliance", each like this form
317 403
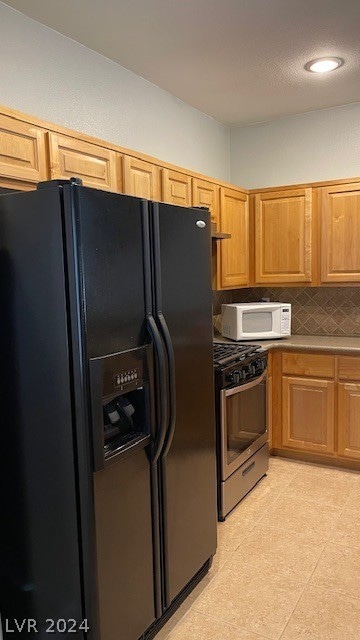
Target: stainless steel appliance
109 512
240 396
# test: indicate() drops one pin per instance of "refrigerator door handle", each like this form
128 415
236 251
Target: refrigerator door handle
161 323
172 385
163 382
155 336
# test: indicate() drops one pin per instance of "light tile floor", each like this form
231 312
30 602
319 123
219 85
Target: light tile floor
287 565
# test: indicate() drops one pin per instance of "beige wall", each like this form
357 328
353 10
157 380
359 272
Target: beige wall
320 145
54 78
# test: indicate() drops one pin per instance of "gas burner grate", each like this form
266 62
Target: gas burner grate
226 353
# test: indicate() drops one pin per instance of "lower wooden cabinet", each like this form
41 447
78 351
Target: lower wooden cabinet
308 407
314 408
269 410
349 420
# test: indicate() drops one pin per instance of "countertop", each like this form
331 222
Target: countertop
335 344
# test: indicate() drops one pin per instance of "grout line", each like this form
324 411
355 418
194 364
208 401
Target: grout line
308 584
230 624
345 596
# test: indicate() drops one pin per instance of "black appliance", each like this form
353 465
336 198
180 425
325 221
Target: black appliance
108 440
240 399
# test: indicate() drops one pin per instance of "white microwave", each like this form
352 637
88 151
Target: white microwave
256 321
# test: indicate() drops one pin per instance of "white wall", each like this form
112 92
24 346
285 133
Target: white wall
314 146
47 75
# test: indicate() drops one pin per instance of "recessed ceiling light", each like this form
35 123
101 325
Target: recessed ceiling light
322 65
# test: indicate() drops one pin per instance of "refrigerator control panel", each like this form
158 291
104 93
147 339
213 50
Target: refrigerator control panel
126 376
126 370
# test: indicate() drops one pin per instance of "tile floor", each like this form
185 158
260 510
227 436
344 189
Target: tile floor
287 565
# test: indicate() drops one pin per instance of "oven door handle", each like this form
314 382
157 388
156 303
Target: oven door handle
243 387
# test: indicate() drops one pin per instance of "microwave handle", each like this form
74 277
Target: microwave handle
243 387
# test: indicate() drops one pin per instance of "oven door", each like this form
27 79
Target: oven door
243 423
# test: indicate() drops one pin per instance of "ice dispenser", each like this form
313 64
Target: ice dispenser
121 403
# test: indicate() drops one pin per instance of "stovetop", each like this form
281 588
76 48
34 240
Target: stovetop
228 354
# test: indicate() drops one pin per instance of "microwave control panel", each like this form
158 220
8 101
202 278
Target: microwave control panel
285 320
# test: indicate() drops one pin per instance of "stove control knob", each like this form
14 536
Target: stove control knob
236 377
252 370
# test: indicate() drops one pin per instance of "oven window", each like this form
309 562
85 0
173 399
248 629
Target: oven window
245 419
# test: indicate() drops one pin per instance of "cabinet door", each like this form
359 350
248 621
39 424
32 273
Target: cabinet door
308 414
349 420
206 194
22 154
96 166
340 237
234 251
141 179
283 236
269 391
176 188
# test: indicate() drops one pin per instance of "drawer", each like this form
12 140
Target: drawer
308 364
349 368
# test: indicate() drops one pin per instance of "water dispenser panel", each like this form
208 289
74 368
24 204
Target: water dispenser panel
125 371
121 391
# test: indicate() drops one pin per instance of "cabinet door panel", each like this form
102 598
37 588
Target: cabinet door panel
234 251
96 166
206 194
283 236
340 237
141 179
269 405
176 188
349 420
22 153
308 414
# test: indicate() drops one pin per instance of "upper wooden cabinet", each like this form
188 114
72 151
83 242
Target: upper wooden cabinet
206 194
283 236
176 187
340 233
22 154
234 251
141 178
96 166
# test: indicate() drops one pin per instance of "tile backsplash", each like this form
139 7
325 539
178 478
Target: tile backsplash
318 311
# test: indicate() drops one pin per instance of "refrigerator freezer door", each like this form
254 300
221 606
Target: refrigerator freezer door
182 281
109 229
40 573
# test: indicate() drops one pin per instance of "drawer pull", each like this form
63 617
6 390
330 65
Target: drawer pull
251 466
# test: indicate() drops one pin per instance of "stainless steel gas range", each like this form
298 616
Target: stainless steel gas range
240 396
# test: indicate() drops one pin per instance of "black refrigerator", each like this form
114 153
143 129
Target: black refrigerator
108 489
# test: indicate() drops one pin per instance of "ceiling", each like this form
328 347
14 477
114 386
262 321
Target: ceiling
240 61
